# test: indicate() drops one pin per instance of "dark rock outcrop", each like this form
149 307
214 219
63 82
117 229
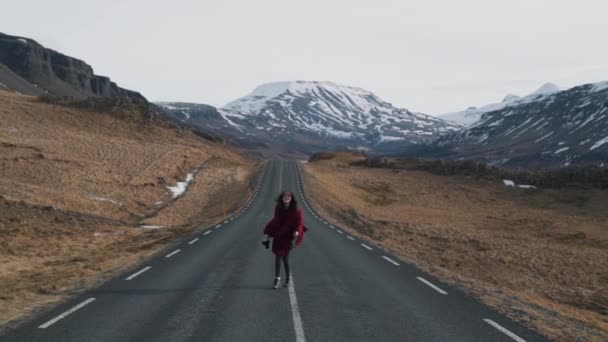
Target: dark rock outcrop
32 69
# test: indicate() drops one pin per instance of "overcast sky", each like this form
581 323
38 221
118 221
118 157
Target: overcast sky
429 56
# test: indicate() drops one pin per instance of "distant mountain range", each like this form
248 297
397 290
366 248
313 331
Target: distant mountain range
472 114
312 116
29 68
546 129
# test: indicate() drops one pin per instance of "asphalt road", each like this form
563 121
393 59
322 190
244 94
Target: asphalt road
216 286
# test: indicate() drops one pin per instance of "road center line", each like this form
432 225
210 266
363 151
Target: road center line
208 232
339 231
63 315
138 273
366 246
390 260
193 241
432 286
173 253
350 237
504 330
219 225
295 312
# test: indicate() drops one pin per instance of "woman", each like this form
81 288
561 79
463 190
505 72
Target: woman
286 230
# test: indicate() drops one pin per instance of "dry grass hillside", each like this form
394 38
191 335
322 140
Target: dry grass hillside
77 185
540 256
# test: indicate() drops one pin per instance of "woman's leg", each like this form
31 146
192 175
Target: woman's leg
277 266
286 264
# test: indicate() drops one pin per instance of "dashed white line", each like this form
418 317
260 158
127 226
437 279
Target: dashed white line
208 232
63 315
504 330
390 260
295 312
219 225
366 246
431 285
193 241
339 231
138 273
330 226
224 223
350 237
173 253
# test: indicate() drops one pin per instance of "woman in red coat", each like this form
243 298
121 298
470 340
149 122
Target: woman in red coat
286 230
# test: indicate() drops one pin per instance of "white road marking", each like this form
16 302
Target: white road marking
173 253
330 226
63 315
208 232
390 260
339 231
350 237
503 330
193 241
138 273
366 246
432 286
224 223
295 312
219 225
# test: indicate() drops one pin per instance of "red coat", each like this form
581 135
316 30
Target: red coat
282 227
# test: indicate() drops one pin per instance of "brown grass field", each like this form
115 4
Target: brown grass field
539 256
76 185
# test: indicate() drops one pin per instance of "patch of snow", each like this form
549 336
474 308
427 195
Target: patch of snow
103 199
546 89
508 183
523 186
599 143
599 86
181 187
151 227
543 137
510 97
389 138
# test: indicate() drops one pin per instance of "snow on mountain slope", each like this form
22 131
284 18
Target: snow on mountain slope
335 111
560 129
473 114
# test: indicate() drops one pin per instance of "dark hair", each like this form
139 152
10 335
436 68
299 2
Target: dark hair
292 205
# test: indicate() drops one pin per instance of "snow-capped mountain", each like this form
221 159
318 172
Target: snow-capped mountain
313 116
330 111
472 114
553 129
